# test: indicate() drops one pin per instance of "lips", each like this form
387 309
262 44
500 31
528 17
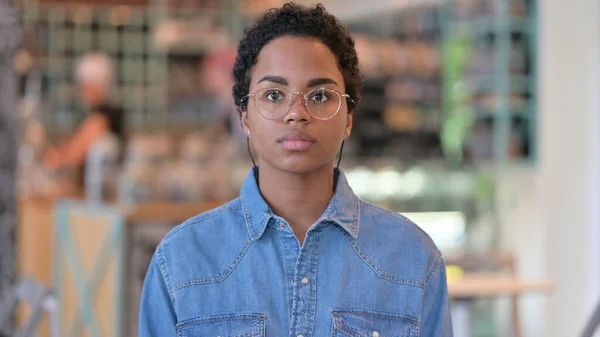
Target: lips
296 141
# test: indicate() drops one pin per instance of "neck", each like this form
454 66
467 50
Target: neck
300 199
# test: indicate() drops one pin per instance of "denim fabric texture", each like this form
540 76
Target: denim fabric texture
239 270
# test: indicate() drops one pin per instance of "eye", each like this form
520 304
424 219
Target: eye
320 96
273 95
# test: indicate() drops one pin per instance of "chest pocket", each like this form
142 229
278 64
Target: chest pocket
224 326
373 324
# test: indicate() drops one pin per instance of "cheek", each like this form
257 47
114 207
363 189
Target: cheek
330 137
338 128
261 131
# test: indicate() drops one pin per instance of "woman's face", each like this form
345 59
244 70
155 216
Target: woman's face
296 142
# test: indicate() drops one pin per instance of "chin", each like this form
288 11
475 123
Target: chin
299 165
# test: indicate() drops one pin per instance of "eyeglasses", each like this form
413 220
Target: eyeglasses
274 103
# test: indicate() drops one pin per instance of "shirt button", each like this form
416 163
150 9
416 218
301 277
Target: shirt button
300 335
375 334
281 225
305 280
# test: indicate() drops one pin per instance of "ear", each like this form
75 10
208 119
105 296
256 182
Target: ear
245 123
348 129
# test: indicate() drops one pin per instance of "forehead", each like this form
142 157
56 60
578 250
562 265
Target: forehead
298 60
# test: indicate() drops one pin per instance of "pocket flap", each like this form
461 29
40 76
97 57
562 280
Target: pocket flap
374 324
224 326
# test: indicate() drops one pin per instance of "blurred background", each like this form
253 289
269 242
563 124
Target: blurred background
480 120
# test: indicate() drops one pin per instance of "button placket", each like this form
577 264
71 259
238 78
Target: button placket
291 250
304 305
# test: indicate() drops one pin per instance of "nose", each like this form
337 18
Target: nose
297 111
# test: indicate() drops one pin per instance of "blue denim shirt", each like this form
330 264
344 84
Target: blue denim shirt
238 270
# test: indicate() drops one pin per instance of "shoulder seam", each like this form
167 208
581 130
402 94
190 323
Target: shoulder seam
387 211
165 274
198 218
434 269
380 209
400 217
222 276
379 272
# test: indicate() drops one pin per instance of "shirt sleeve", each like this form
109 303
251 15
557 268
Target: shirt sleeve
435 310
157 314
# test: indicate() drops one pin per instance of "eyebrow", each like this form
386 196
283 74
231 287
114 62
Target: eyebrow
320 81
274 79
311 83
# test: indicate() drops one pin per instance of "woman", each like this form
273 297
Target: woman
93 74
298 254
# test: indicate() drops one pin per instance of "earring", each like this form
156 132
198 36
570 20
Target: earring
248 132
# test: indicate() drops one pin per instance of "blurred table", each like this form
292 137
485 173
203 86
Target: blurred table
472 286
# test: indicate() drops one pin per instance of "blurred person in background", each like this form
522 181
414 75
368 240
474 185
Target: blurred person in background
94 77
298 254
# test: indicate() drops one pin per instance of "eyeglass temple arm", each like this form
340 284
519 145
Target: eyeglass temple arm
349 98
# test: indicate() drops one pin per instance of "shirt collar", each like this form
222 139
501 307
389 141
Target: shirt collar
343 209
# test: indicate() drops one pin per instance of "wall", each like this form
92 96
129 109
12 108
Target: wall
553 210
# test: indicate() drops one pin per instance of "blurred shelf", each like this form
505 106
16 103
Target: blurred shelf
486 25
361 10
495 114
488 83
189 37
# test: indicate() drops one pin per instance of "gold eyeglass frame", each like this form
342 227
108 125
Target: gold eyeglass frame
304 100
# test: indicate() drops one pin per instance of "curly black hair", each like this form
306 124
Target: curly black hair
297 20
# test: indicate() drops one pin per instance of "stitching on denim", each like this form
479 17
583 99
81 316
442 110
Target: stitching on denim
356 222
387 211
338 315
222 276
338 222
383 274
263 327
314 269
295 301
354 227
197 219
396 215
222 318
416 329
248 217
348 330
166 275
375 313
263 225
250 223
383 210
434 269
